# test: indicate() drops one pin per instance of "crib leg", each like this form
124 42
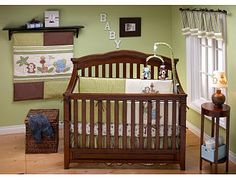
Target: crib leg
66 160
66 164
182 165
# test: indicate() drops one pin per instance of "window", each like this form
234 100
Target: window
204 55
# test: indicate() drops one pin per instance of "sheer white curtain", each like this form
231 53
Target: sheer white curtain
204 24
205 35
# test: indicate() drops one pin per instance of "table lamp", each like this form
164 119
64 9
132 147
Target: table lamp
219 81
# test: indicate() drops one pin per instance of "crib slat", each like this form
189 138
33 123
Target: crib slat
124 134
149 124
91 137
158 72
99 124
83 123
141 146
124 70
158 117
165 124
110 70
96 71
76 123
117 70
104 70
90 71
116 135
108 124
83 72
174 125
152 72
131 70
132 124
138 71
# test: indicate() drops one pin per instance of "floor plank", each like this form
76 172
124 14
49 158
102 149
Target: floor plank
13 160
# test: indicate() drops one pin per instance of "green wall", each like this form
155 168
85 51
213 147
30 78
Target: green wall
156 26
159 23
178 42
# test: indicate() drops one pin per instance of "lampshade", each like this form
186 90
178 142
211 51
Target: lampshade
219 79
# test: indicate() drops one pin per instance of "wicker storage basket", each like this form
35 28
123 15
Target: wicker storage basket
47 145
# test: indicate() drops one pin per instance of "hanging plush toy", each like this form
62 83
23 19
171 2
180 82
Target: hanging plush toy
163 75
146 72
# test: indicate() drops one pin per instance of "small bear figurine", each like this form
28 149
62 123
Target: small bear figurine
162 73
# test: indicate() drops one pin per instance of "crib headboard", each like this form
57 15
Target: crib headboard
118 64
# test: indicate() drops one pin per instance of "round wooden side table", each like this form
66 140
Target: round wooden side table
215 113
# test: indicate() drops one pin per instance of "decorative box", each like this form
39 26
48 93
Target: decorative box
34 25
47 145
208 153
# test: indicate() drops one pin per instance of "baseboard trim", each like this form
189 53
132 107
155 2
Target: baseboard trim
15 129
4 130
195 130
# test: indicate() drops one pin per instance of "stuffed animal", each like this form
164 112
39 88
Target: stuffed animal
146 72
163 73
40 125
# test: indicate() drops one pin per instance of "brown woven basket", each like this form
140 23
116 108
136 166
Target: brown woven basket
47 145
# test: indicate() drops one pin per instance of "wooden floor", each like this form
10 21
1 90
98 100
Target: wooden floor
13 160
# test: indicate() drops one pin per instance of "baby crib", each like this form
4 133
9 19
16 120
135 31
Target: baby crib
123 127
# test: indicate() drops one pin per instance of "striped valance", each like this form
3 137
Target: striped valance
204 24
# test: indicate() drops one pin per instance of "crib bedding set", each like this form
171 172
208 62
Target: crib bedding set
114 116
116 85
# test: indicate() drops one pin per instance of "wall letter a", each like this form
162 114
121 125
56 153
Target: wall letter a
107 27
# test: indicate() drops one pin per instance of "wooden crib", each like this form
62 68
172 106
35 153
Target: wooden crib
106 111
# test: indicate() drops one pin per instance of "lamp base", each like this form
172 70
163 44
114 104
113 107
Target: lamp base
218 98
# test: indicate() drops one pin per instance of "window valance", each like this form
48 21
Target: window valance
210 24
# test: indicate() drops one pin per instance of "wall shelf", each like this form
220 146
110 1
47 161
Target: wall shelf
74 29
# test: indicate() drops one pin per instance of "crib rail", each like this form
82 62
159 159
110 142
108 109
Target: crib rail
127 96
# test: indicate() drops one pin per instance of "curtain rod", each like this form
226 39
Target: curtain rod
203 9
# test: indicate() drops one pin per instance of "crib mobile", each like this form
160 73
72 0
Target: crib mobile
163 75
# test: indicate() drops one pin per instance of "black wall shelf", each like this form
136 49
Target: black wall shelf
74 29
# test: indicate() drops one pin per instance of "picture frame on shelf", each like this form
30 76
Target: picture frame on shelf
51 18
130 27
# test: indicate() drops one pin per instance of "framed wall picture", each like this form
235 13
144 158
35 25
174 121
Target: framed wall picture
51 18
130 27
